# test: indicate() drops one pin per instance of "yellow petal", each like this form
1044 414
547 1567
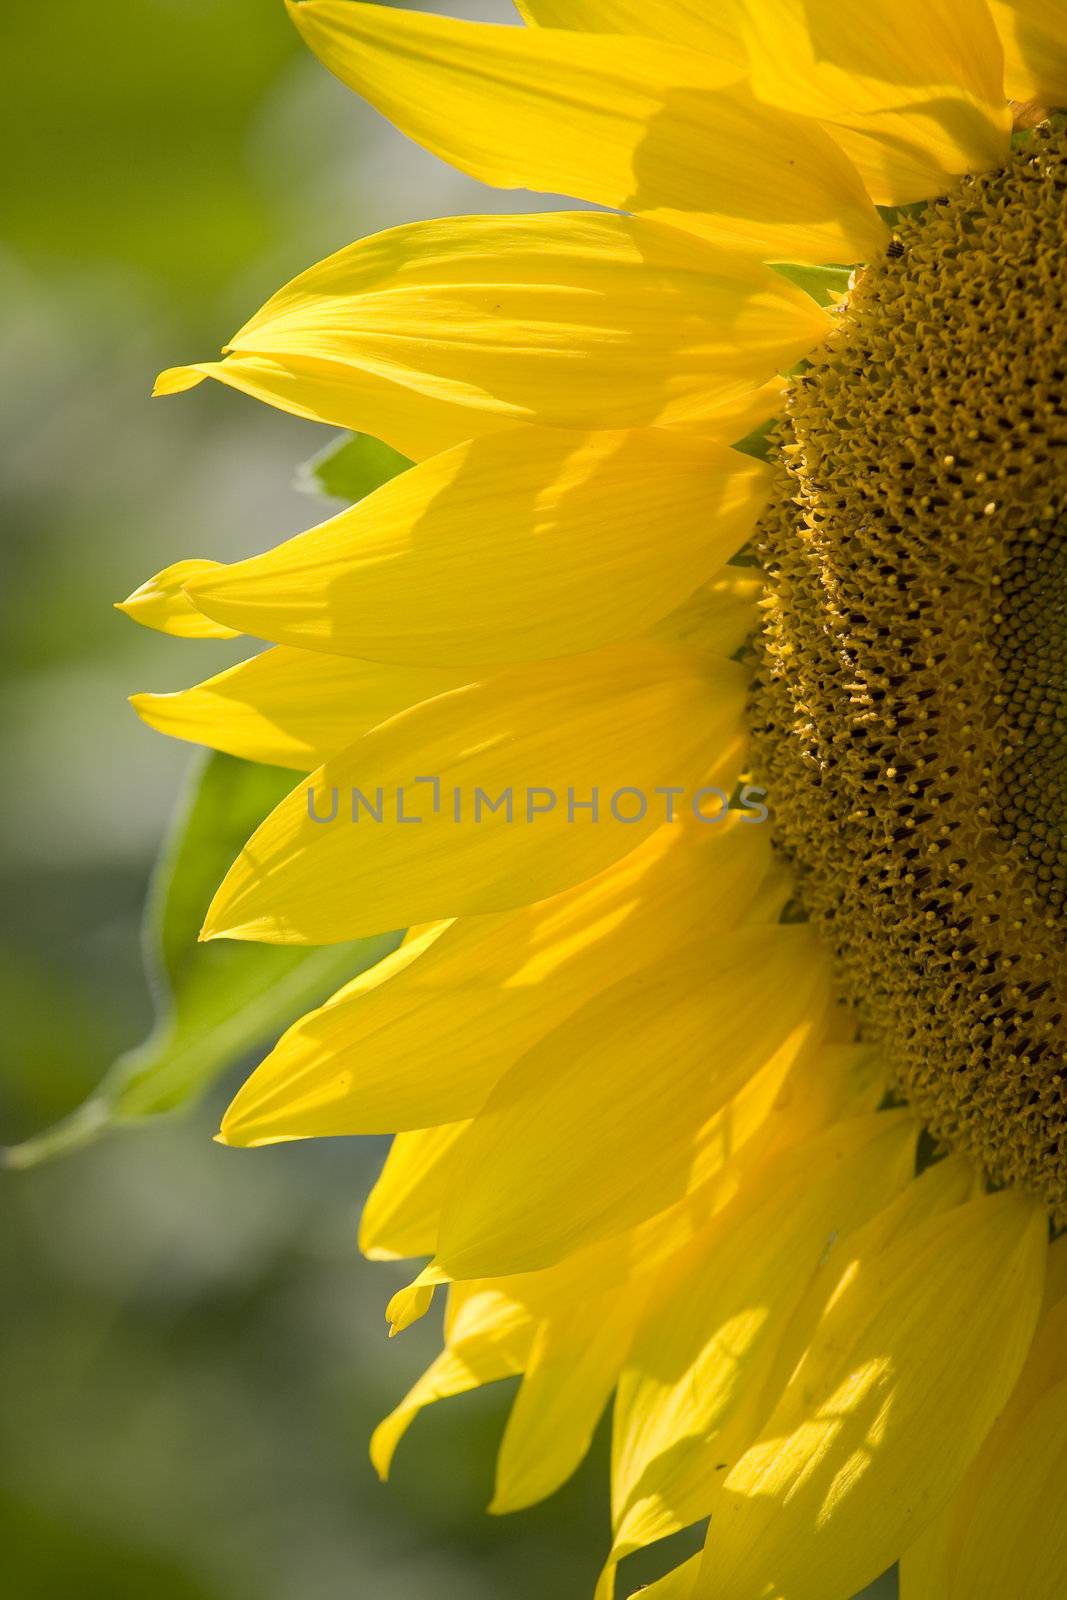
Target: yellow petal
437 332
573 1364
680 21
679 1584
604 1122
691 1392
913 89
422 1036
913 1360
624 1264
738 418
932 1569
489 1338
400 1216
719 616
161 603
759 1119
948 1183
1017 1543
639 717
528 544
633 124
292 708
1034 33
409 1304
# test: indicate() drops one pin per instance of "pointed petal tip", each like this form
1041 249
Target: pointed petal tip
175 380
381 1455
143 705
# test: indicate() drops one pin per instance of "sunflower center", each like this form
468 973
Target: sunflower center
910 709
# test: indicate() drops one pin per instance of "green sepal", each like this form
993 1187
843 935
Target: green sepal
823 284
350 466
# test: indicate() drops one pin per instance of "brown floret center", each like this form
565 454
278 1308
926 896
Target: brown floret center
910 713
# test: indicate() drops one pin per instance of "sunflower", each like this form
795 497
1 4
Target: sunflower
758 1127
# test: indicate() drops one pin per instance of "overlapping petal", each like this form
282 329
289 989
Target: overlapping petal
688 22
923 1341
1003 1532
690 1398
292 708
585 1308
634 124
297 708
488 1338
422 1037
399 1218
913 89
606 1121
161 603
433 333
517 547
573 1366
641 718
1034 34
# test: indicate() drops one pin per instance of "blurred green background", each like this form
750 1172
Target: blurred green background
193 1354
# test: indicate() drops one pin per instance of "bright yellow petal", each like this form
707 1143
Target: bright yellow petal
633 124
422 1037
489 1338
913 1360
297 708
913 89
410 1303
938 1190
690 1397
292 708
604 1122
738 418
792 1096
688 22
640 717
571 1371
161 603
400 1216
625 1264
437 332
528 544
1034 33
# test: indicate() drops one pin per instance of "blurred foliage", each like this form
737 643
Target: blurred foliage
216 1001
130 118
197 1353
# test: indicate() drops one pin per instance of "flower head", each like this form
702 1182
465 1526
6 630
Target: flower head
759 1126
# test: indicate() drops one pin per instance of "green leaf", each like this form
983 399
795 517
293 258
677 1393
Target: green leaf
351 466
214 1002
